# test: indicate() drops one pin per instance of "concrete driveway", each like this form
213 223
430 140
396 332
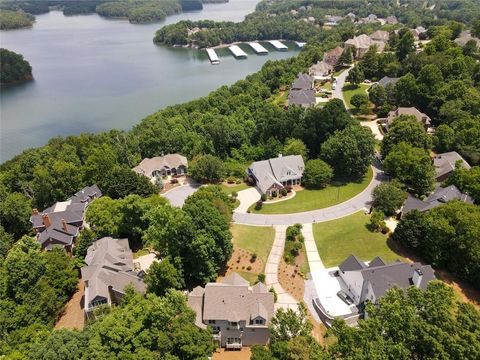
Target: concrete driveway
178 195
337 93
357 203
247 198
373 125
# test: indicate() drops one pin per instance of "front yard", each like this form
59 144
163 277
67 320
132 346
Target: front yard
247 241
338 239
307 200
349 90
229 188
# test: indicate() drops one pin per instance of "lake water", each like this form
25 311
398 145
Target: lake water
93 74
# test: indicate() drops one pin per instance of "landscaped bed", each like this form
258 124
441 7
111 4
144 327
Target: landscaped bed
337 239
307 200
247 241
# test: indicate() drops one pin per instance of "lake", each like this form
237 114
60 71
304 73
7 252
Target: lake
94 74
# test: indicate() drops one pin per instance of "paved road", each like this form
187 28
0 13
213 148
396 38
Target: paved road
357 203
284 299
178 195
337 93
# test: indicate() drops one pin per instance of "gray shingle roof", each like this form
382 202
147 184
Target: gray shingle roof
438 197
421 117
377 261
387 80
304 98
352 263
321 68
147 166
302 82
445 163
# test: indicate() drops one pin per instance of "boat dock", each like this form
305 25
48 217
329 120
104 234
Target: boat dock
278 45
259 49
213 57
300 44
237 52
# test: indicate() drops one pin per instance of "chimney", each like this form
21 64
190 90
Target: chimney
64 225
417 277
46 220
35 211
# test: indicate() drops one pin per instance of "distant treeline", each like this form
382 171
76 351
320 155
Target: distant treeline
13 68
15 20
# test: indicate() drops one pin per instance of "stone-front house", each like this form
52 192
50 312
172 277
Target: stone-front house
170 164
360 45
331 57
59 225
439 197
421 117
272 175
380 35
109 270
370 282
239 314
321 71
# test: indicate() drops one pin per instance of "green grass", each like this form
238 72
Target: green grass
339 72
236 187
250 277
256 239
307 200
349 90
305 268
280 98
338 239
140 252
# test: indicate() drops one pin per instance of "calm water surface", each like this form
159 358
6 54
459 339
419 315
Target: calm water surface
93 74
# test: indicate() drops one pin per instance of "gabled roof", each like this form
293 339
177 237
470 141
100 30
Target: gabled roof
234 279
380 35
352 263
438 197
387 80
421 117
302 82
445 163
360 42
147 166
302 98
377 261
57 235
466 36
392 19
331 57
321 68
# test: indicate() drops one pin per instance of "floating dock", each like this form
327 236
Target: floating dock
300 44
237 52
259 49
213 57
278 45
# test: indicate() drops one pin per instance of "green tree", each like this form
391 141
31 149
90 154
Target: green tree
377 221
360 101
62 345
122 181
412 166
350 151
295 147
467 180
164 275
388 197
288 324
207 168
13 67
405 128
15 212
345 59
406 46
355 76
378 95
318 173
84 240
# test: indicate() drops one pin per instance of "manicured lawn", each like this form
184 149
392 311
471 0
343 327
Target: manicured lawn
234 187
250 277
140 252
306 200
349 90
256 239
339 72
338 239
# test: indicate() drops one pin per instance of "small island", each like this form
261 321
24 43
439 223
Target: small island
14 68
15 20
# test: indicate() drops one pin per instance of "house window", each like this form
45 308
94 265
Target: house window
215 328
99 302
258 321
233 340
211 321
233 323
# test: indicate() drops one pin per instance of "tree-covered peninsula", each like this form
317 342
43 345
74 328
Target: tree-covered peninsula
15 20
13 68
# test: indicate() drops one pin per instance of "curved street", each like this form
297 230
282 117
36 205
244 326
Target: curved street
357 203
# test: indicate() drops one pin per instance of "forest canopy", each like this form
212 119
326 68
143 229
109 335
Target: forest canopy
13 68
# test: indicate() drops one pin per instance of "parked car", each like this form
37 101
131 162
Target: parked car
346 299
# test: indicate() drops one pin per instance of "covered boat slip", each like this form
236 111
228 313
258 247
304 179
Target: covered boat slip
237 52
212 55
278 45
259 49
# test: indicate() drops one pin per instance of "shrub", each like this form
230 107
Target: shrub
261 278
318 173
295 250
377 222
231 180
275 296
249 268
253 258
293 231
259 205
263 197
274 194
283 192
289 188
174 181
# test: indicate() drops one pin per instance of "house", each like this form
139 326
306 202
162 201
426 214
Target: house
238 314
301 91
332 20
109 270
360 45
421 117
170 164
59 225
331 57
274 174
387 80
445 164
391 20
380 35
419 33
321 70
351 16
466 36
371 281
438 197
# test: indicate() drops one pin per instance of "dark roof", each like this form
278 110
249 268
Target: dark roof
445 163
438 197
377 261
87 194
387 80
302 82
303 98
352 263
57 236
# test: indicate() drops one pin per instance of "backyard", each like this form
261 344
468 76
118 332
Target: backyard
247 241
307 200
337 239
349 90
